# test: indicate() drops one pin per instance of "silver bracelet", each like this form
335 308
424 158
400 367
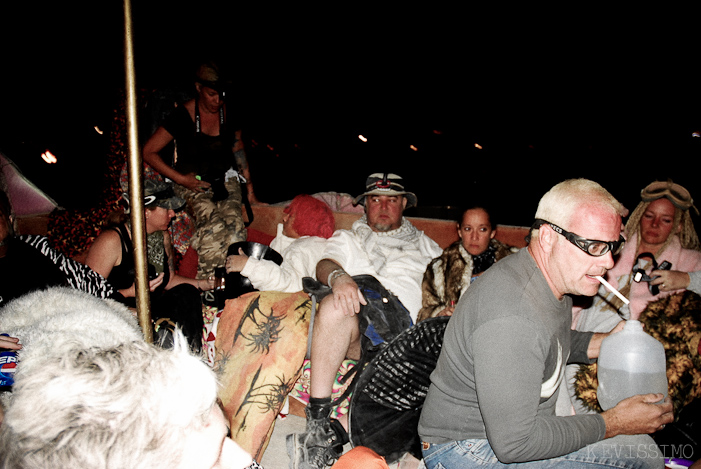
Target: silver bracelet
334 275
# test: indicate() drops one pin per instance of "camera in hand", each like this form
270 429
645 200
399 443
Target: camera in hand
639 274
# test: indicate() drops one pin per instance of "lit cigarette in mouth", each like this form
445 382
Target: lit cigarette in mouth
612 290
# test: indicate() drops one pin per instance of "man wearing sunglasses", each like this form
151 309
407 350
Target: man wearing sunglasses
493 393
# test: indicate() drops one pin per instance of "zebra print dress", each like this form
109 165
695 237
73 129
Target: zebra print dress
78 275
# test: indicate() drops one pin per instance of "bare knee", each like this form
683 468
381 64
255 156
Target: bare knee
329 313
332 325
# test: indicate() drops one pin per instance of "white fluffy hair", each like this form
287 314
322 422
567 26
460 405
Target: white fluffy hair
132 405
50 322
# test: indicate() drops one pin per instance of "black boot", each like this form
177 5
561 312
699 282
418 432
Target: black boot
321 443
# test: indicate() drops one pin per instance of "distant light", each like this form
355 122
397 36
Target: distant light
48 157
478 146
362 139
97 129
696 134
413 148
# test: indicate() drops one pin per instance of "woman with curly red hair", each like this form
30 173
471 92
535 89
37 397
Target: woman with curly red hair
301 237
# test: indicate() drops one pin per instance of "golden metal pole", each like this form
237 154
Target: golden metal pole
135 165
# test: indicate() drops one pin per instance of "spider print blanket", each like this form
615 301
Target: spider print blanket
260 346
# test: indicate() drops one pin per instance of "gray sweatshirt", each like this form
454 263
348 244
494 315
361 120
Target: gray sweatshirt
502 362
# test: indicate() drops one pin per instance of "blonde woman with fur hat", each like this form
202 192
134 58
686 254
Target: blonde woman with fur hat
659 230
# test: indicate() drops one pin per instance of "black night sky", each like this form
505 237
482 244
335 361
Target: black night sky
547 95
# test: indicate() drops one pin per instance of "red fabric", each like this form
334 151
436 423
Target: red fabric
188 264
259 237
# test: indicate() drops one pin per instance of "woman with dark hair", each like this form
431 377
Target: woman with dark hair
211 169
301 237
448 276
173 296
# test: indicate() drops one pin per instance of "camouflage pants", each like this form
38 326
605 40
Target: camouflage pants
217 225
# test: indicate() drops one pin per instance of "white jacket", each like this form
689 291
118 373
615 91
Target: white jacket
299 259
397 258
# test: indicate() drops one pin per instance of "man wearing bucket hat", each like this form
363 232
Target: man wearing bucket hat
209 169
371 276
173 297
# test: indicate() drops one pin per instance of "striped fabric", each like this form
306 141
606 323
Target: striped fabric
79 276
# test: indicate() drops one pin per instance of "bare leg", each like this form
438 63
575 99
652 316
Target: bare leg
335 338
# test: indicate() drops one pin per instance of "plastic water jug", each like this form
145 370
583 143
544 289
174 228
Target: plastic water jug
630 362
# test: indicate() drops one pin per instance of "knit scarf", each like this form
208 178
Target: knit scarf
376 244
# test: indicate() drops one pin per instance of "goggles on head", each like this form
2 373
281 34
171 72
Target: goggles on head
678 195
592 247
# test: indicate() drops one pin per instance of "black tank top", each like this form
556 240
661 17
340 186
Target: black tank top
122 275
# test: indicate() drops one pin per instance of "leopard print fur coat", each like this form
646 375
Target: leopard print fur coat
447 277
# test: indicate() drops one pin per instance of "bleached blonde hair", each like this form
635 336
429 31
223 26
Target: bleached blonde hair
133 406
562 200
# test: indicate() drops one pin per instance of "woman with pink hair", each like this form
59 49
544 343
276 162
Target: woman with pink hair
301 237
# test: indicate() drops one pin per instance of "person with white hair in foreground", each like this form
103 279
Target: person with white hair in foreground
134 405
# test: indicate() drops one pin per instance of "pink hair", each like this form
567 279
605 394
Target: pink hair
313 216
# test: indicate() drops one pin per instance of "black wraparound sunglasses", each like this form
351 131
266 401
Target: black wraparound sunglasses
592 247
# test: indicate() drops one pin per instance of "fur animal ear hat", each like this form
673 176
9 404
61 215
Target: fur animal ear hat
385 184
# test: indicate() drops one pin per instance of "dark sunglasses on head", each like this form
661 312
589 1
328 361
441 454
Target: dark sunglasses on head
592 247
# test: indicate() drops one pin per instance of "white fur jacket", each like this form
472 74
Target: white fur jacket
49 322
